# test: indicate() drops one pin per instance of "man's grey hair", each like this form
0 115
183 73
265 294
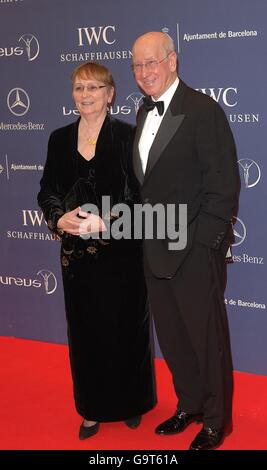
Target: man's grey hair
168 44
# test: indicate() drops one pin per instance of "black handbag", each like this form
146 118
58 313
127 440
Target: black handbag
82 192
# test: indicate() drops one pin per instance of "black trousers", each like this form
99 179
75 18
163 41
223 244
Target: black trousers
192 329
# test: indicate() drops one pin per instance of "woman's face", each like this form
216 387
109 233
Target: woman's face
91 96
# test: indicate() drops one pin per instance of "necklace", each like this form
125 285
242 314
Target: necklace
91 140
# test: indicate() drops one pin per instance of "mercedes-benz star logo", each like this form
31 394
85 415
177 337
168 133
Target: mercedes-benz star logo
50 280
240 231
18 101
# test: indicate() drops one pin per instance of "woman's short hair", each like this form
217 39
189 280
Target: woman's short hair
93 70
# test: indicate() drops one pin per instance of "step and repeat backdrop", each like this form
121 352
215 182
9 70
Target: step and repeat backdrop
222 52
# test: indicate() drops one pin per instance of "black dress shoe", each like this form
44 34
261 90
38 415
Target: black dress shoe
88 431
208 439
177 423
133 423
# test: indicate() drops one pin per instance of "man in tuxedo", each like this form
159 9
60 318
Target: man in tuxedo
184 153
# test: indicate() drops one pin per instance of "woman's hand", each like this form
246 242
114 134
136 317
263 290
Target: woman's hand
70 222
77 222
91 223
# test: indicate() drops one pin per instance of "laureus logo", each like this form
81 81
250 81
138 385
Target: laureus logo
28 44
18 101
31 45
240 231
135 97
250 171
49 281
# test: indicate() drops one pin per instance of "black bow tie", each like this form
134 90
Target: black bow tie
150 104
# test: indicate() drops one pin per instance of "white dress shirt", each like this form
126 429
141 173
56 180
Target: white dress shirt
152 123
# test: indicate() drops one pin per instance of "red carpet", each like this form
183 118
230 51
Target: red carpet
37 410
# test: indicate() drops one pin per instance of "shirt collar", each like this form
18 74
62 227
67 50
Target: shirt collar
168 94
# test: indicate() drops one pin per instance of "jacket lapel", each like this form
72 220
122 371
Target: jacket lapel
137 165
170 124
168 128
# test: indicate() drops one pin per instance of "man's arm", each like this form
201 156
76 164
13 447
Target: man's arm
221 184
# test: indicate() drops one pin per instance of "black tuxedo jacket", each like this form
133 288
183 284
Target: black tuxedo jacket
192 161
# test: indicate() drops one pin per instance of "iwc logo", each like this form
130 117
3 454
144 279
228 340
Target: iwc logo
18 101
96 34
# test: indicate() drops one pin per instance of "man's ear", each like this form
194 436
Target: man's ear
173 61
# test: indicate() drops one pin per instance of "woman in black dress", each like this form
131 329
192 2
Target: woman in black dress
104 287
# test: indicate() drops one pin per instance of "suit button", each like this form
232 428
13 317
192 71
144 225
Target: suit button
146 200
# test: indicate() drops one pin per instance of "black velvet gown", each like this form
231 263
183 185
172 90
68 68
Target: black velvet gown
105 293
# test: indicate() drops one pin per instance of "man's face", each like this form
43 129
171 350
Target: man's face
154 69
